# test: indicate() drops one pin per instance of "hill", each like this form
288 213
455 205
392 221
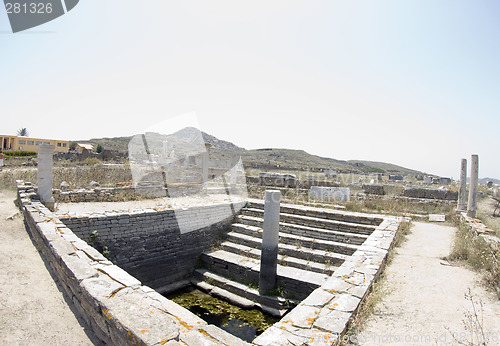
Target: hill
386 167
265 159
485 180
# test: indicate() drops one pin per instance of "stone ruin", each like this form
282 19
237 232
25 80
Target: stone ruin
324 260
327 261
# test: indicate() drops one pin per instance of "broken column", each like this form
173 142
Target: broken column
270 236
462 192
473 187
44 181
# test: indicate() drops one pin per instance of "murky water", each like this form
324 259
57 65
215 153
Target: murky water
243 323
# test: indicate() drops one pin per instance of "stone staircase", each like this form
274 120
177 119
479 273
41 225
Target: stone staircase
313 243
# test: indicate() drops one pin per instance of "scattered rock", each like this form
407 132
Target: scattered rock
437 218
13 216
93 184
64 186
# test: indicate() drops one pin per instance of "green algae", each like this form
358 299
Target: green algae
222 313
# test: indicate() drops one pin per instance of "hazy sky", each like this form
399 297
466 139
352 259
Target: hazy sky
415 83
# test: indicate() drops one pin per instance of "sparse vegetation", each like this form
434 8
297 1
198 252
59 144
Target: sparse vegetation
478 254
253 285
278 291
76 176
473 324
99 244
9 153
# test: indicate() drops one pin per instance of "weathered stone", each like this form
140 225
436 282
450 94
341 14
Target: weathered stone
78 269
437 217
473 187
319 297
64 186
118 274
277 337
146 326
336 285
462 193
269 257
302 317
223 337
334 322
344 302
441 194
44 181
374 189
98 290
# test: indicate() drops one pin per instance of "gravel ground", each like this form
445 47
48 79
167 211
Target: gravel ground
33 310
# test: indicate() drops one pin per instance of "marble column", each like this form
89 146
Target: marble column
44 181
270 236
473 187
462 192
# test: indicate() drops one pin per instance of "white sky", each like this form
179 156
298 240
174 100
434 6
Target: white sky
413 83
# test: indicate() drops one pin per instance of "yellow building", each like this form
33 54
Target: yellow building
20 143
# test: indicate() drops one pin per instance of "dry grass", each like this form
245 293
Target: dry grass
76 176
478 254
486 206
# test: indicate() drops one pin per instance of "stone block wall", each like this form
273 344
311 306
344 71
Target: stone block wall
94 195
116 194
374 189
158 247
441 194
114 304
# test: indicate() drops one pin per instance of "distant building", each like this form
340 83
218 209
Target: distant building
21 143
81 147
329 173
444 181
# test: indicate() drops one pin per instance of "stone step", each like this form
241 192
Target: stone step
297 283
318 233
240 294
298 241
316 222
331 214
282 259
319 256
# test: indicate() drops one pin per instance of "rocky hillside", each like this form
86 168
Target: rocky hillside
265 159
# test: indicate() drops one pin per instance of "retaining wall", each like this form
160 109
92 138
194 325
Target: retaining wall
159 247
114 194
114 304
323 317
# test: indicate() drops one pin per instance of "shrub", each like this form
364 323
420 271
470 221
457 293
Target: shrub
477 253
19 153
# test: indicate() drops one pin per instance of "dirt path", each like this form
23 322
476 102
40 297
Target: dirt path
33 310
423 295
